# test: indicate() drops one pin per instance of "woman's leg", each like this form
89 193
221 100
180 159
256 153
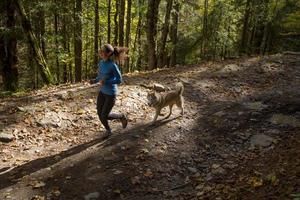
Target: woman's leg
107 107
102 103
105 103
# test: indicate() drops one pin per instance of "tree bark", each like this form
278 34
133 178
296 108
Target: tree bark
152 17
96 48
86 56
108 21
46 75
65 46
71 79
8 48
162 51
116 24
243 47
56 44
204 28
137 40
127 41
173 35
264 39
78 40
121 22
42 30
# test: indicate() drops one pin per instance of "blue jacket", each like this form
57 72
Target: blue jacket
109 72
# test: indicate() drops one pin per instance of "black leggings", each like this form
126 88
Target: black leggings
105 103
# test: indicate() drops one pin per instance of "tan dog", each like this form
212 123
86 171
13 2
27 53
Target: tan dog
161 100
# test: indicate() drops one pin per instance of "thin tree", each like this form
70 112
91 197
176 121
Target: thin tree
137 40
108 21
127 40
243 45
173 34
204 28
56 16
116 23
164 35
152 17
96 31
42 30
8 50
121 22
78 40
65 42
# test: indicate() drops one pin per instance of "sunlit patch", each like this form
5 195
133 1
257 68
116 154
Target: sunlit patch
230 68
272 67
257 105
281 119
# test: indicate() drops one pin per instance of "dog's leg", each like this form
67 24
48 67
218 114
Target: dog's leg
170 107
157 111
181 105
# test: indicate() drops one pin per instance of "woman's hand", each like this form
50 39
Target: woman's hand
92 81
100 83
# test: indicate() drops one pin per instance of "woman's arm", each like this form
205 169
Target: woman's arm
97 79
117 75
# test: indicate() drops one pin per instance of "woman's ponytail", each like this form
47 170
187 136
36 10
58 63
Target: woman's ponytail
116 51
119 53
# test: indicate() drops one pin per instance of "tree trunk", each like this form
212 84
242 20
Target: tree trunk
8 50
65 46
47 77
71 80
173 35
116 24
243 47
108 21
78 41
264 39
267 27
121 22
137 40
127 41
253 36
42 30
96 48
56 45
2 55
152 17
204 29
162 51
86 56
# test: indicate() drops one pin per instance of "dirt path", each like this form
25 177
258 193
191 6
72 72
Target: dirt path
239 138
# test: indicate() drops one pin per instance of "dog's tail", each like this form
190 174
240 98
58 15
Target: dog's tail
180 87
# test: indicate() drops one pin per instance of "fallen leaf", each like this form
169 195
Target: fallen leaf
118 172
144 151
273 179
81 111
55 191
118 191
38 197
256 182
148 173
37 184
135 180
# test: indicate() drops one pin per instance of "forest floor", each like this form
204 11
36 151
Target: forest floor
239 137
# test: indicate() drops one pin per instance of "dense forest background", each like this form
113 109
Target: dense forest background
54 42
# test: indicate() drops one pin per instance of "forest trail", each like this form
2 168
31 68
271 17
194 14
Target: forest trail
239 138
